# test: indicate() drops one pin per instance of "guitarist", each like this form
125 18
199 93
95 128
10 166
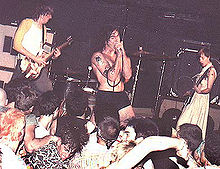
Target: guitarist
28 41
196 112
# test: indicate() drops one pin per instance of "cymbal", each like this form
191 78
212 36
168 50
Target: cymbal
70 79
151 56
162 58
141 52
70 73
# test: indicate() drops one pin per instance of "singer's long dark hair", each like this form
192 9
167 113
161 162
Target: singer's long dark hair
102 37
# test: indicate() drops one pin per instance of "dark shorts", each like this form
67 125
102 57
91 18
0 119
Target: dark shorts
109 103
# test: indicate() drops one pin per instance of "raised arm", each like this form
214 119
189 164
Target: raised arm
153 143
31 143
127 71
100 64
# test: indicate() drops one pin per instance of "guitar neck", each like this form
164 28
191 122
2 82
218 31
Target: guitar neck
49 56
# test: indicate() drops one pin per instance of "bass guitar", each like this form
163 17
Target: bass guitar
31 69
192 91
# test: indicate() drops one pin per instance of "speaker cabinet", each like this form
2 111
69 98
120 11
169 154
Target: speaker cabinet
171 102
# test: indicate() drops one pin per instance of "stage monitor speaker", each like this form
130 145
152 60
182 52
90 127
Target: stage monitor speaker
170 102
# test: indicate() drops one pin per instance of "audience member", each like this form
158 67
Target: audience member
47 110
76 102
192 134
73 136
25 98
22 94
138 128
96 153
73 133
211 154
12 123
142 127
149 144
3 97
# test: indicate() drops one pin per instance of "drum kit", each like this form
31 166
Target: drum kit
78 84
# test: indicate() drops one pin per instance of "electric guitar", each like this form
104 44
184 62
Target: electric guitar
192 91
31 69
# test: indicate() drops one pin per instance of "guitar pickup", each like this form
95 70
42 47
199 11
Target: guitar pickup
47 48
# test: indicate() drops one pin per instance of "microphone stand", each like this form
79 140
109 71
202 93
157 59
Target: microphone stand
136 76
88 76
159 89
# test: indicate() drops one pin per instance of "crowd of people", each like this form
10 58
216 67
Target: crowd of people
41 130
37 133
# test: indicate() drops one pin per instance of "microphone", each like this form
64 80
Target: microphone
89 74
89 68
190 50
119 49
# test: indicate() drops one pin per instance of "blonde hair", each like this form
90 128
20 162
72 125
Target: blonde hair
11 124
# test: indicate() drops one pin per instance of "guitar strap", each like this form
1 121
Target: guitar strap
43 34
205 74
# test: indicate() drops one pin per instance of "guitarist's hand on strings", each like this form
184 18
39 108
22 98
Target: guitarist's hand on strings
197 89
188 93
40 61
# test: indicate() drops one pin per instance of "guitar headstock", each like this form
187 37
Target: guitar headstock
69 40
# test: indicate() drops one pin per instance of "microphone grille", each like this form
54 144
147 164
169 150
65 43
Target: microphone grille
90 68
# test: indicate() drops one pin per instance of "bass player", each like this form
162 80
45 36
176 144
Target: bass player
28 41
196 112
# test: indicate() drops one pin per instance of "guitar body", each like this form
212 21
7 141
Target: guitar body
31 69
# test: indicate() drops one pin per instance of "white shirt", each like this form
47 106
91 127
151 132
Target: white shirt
10 160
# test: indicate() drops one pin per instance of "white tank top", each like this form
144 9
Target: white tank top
33 39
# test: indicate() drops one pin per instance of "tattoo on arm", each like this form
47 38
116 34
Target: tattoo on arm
107 69
99 60
105 73
112 71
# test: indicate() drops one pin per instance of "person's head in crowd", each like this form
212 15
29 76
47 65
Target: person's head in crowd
140 128
192 134
137 129
212 147
21 93
76 102
168 121
108 130
73 134
12 123
47 104
3 97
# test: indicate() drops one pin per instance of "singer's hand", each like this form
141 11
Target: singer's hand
119 46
